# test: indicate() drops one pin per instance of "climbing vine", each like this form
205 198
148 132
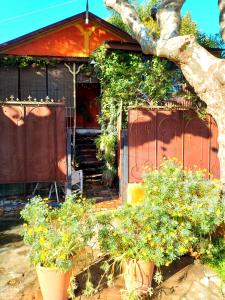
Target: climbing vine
129 79
25 61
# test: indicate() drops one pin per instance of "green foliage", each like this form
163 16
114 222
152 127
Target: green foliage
206 41
57 234
24 61
127 79
188 26
117 21
106 145
187 196
214 255
181 207
131 79
144 15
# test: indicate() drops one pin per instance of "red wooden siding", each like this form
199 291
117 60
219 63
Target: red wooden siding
68 38
32 143
155 134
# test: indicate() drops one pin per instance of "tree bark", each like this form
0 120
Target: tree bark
204 72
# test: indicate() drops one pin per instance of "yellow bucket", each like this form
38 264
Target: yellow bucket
135 193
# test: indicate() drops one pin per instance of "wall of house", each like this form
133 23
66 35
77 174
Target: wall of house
75 39
56 82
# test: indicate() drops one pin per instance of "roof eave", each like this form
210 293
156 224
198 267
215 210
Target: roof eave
28 37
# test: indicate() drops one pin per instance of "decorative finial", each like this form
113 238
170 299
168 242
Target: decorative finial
87 14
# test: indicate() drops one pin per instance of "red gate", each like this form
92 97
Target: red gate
155 134
32 143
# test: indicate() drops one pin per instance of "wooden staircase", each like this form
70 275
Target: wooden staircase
86 156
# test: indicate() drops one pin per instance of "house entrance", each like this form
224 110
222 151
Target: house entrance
87 105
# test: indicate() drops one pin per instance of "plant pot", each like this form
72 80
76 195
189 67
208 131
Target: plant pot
138 276
53 283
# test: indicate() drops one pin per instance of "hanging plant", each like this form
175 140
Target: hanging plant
106 145
25 61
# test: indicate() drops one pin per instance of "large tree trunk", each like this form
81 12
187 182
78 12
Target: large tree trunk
204 72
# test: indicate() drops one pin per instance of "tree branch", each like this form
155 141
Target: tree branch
169 18
131 18
221 4
196 62
168 48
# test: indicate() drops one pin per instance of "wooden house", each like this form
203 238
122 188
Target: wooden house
68 44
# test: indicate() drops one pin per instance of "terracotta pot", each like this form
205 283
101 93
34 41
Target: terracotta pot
53 283
138 275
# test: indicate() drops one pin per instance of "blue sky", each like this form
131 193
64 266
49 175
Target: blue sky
18 17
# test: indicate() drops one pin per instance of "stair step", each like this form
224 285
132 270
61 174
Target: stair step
93 177
87 151
85 141
91 168
86 155
91 162
92 171
80 147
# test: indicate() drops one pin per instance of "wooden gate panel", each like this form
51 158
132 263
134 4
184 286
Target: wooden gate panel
169 135
40 145
196 142
141 142
155 134
12 132
32 143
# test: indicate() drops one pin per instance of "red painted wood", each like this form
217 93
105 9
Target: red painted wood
40 143
214 167
196 141
32 144
68 38
60 134
12 147
154 134
169 135
141 142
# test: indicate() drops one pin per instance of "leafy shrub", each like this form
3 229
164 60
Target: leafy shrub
181 207
57 234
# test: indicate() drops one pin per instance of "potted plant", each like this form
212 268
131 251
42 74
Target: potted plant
179 209
55 236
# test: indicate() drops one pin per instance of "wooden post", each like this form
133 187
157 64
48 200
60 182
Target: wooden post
69 166
74 73
124 181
